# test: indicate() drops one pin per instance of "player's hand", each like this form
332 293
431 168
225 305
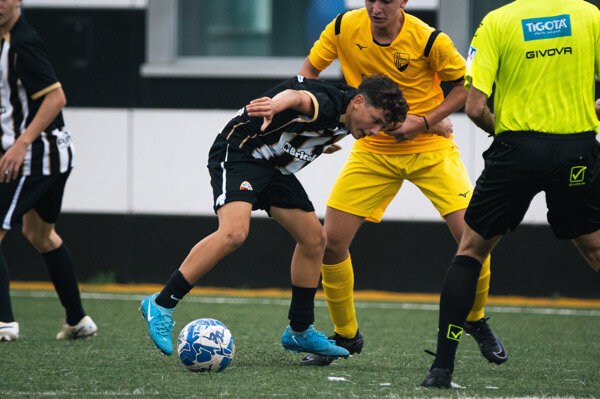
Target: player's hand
443 128
264 107
331 149
412 126
10 163
597 108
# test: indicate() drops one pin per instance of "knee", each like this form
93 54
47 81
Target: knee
592 254
336 246
40 240
234 237
315 242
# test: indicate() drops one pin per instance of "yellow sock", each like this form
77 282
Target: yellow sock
483 287
338 285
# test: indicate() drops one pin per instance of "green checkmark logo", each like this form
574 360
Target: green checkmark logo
454 332
577 174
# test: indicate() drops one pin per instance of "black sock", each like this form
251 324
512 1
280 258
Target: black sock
458 296
175 289
6 314
302 308
62 274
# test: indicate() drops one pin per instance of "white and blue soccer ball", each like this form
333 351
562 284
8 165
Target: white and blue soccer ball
205 345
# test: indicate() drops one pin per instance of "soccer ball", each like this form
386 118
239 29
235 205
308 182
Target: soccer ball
205 345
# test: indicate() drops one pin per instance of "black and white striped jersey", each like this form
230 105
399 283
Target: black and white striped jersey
26 76
292 140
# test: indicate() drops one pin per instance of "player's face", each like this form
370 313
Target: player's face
384 13
365 120
8 10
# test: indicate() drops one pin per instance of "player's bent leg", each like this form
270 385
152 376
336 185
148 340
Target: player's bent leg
338 284
234 224
61 269
300 335
476 325
310 238
589 246
337 270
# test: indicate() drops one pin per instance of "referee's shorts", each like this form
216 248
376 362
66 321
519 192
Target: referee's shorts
518 165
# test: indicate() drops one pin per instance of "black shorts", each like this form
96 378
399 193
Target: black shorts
42 193
518 165
236 176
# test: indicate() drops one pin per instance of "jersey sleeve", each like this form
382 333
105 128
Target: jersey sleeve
328 101
483 57
446 60
33 67
324 51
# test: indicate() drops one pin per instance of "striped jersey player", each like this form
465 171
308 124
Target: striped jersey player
252 164
36 157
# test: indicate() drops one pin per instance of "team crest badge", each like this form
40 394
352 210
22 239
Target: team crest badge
401 60
246 186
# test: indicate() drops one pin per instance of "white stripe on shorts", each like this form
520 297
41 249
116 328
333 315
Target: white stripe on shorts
221 198
13 204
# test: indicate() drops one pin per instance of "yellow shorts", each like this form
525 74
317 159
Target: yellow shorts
368 182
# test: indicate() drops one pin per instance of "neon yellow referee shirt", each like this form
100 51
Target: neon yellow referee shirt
543 56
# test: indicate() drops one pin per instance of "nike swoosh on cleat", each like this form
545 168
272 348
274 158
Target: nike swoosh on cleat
148 315
4 327
77 331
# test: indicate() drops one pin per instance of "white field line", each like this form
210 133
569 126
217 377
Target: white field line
79 394
286 302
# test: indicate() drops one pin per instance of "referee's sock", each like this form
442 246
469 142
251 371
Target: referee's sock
176 288
458 295
302 308
62 273
6 314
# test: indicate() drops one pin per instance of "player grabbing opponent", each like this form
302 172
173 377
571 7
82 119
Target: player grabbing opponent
382 38
252 164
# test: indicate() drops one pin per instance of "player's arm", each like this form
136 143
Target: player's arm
436 121
54 101
266 107
308 70
597 108
478 111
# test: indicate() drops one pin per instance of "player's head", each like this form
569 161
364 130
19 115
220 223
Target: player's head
10 10
384 13
378 104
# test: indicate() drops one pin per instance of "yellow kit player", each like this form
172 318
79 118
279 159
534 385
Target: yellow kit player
382 39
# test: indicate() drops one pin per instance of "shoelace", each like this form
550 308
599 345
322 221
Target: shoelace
484 329
163 325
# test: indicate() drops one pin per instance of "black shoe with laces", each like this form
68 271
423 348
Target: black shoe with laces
353 345
490 345
438 378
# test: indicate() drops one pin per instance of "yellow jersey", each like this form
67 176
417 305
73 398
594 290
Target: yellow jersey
543 56
418 59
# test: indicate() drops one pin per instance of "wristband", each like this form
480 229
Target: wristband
426 124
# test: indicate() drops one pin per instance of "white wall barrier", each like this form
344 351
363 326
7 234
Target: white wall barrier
153 161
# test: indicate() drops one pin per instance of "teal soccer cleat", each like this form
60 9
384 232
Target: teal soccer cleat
160 323
311 341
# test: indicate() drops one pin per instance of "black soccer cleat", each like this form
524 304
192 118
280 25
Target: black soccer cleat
490 345
353 345
438 378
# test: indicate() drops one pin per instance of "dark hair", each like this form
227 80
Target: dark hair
382 92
